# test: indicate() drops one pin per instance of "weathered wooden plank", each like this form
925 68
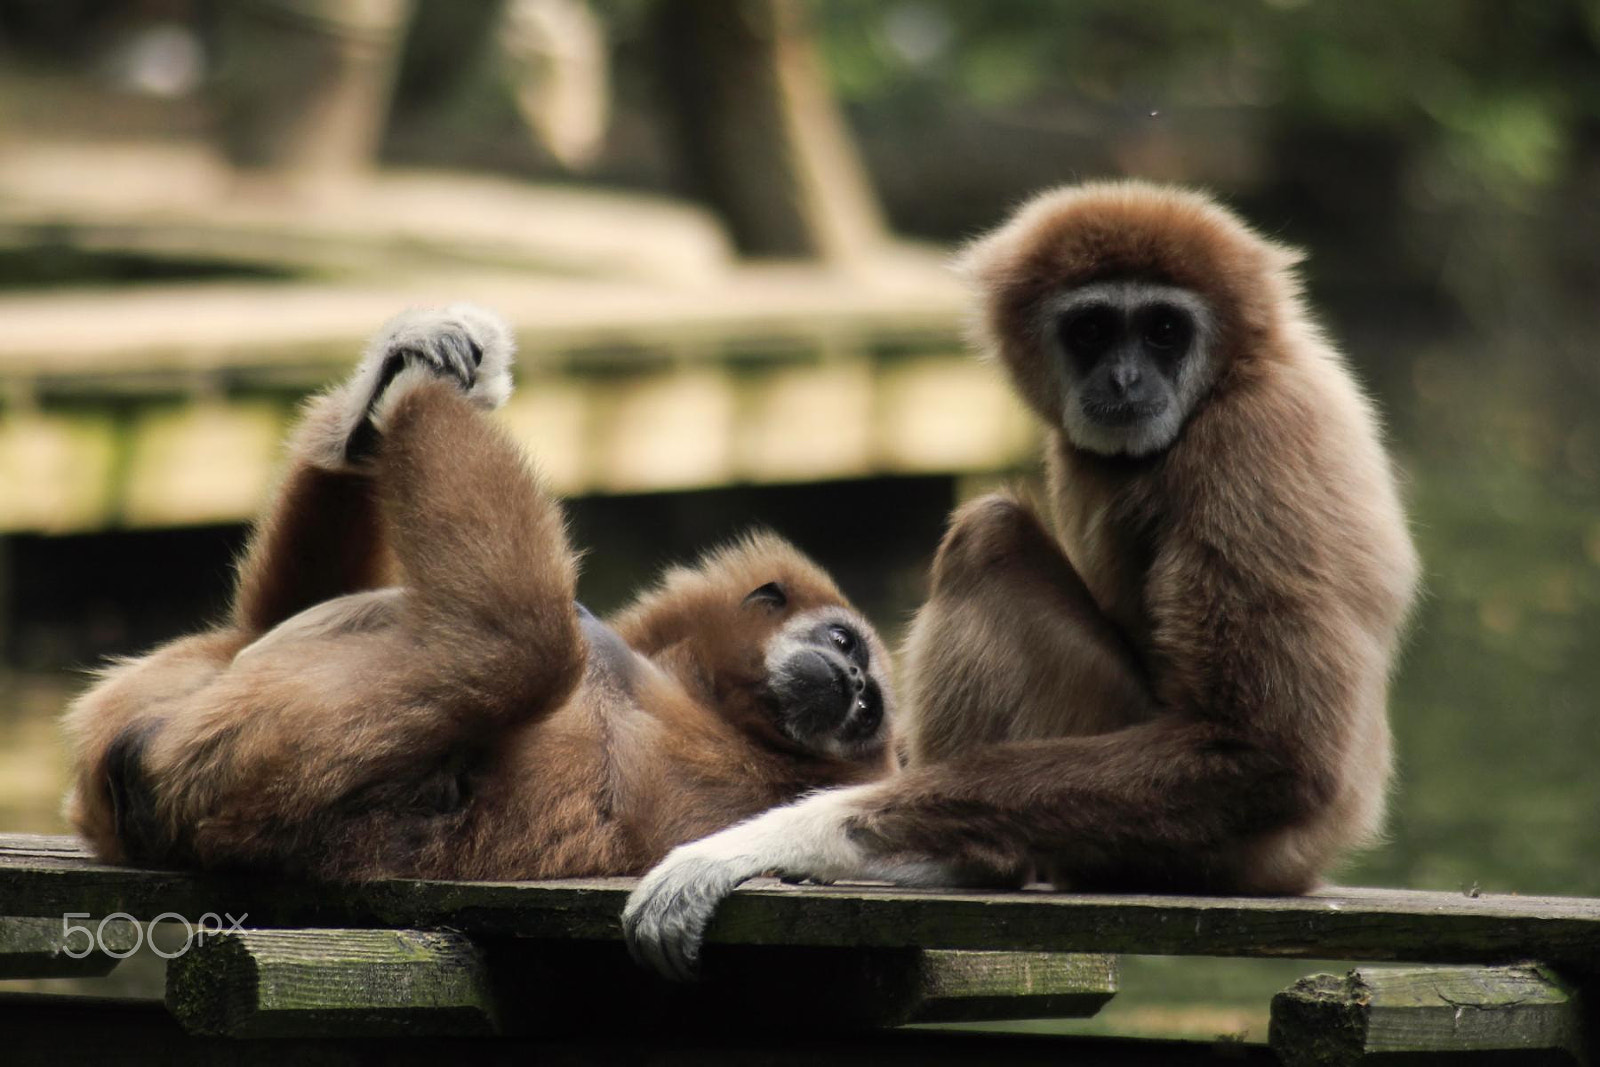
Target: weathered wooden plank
69 1031
38 948
333 983
1374 1013
48 876
64 336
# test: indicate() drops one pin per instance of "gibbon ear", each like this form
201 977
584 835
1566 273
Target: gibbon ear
772 595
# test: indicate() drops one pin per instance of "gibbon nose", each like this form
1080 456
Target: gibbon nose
857 679
1125 378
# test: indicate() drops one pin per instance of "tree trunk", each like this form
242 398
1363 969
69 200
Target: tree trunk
761 134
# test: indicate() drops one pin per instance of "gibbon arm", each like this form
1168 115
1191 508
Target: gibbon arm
319 538
1167 790
1175 801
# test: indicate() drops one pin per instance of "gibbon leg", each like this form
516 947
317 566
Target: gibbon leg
320 536
1009 624
483 551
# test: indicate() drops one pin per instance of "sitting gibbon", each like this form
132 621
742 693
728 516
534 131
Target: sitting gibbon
407 686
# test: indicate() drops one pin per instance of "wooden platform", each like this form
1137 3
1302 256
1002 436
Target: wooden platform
369 973
44 876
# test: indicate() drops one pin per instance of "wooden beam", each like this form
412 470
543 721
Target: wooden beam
550 987
1327 1021
369 983
333 983
38 948
45 876
691 427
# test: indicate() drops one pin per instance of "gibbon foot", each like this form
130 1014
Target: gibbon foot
468 345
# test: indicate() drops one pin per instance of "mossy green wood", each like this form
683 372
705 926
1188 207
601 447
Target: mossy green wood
46 876
39 947
344 983
1373 1013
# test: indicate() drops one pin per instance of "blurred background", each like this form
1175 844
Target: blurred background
720 230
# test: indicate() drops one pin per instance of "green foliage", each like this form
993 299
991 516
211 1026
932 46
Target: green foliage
1498 88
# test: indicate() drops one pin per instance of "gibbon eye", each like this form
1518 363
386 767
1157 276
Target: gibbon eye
842 638
1164 329
772 595
1090 329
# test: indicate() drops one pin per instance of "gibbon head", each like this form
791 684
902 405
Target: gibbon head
1118 307
771 641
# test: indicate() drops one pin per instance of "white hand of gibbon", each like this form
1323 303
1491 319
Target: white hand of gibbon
666 917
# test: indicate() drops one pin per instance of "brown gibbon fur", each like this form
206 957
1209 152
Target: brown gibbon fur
407 687
1181 684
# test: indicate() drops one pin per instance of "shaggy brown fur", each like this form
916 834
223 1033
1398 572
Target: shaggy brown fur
471 721
1184 687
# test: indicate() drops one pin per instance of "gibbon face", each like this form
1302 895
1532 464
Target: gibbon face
776 645
1138 298
823 682
1132 358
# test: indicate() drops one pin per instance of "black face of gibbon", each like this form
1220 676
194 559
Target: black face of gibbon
1134 358
823 684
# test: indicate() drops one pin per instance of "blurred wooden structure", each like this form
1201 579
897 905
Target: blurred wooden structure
651 358
818 968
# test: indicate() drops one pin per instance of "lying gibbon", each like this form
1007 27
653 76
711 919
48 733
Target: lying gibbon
466 718
1182 686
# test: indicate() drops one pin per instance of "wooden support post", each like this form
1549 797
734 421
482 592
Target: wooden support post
1375 1012
988 986
761 132
345 983
37 948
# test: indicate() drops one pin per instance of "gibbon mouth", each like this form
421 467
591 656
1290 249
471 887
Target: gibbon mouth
1122 413
821 695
